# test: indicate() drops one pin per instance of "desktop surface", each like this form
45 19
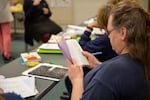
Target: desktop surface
14 68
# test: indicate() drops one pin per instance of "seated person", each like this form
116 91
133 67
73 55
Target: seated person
125 77
100 44
38 24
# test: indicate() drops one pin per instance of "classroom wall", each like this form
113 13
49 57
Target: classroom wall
75 12
78 10
84 9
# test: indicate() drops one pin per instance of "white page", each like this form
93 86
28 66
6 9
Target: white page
72 51
50 46
76 52
19 86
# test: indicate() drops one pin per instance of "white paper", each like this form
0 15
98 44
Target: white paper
22 85
50 46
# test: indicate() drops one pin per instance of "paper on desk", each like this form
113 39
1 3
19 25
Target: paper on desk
22 85
53 39
50 46
75 30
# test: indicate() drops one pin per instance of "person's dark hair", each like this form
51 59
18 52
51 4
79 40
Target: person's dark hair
136 20
103 15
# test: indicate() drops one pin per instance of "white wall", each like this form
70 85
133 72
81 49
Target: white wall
84 9
144 3
80 10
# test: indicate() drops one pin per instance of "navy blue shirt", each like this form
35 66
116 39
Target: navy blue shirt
12 96
100 44
120 78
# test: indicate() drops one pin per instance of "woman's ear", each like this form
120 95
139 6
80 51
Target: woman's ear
123 33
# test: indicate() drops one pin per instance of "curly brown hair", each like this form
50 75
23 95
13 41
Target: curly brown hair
103 15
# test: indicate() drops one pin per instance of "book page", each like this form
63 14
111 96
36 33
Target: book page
64 48
76 52
72 51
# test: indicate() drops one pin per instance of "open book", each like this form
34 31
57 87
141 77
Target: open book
72 51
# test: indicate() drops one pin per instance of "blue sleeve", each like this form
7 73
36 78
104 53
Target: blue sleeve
12 96
85 37
99 44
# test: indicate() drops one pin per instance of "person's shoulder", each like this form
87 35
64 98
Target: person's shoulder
12 96
121 63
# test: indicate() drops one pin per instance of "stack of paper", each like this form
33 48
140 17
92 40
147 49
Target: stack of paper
51 46
21 85
48 48
74 30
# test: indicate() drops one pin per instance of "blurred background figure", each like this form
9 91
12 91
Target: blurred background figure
38 25
101 43
5 30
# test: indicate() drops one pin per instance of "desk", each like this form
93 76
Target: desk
14 68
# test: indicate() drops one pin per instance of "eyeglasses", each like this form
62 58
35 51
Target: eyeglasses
109 32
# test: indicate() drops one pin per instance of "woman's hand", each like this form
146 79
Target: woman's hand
91 25
45 11
93 62
1 91
75 72
36 2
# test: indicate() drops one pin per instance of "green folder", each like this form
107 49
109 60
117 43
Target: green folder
39 50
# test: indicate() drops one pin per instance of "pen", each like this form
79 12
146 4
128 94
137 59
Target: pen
97 53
